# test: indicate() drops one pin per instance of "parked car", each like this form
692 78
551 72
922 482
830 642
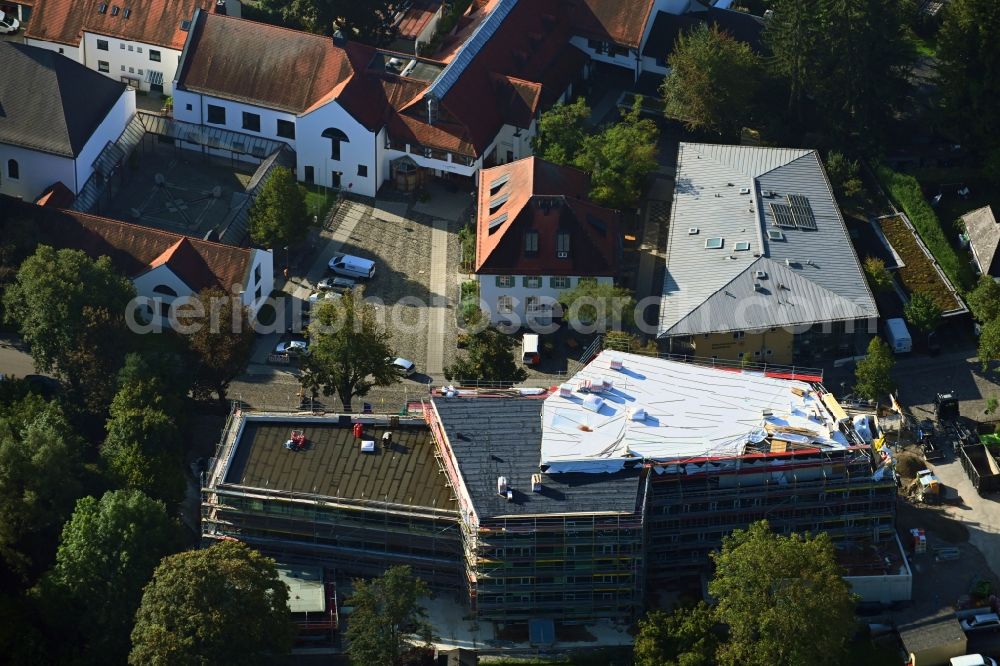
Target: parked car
339 283
292 347
402 366
351 266
8 24
982 622
326 296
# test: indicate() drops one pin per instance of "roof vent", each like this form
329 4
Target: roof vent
510 495
432 110
220 7
607 383
593 403
757 286
744 190
185 25
565 390
502 485
536 483
692 231
760 275
789 262
368 446
638 414
616 362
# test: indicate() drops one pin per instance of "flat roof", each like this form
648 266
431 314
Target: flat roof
306 593
333 465
691 412
494 437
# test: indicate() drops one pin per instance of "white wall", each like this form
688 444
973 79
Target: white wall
265 260
71 52
506 141
314 150
489 293
37 171
198 113
133 57
427 33
626 61
109 130
146 282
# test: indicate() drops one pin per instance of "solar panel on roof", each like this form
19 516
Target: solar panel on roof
782 216
802 211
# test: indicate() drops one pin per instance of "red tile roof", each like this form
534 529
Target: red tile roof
149 21
134 249
549 199
619 21
417 17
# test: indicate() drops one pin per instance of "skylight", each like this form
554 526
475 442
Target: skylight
742 246
714 243
775 235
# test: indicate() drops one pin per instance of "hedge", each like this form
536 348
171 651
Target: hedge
905 191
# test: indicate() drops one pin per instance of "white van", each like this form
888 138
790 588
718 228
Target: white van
972 660
529 349
351 266
898 336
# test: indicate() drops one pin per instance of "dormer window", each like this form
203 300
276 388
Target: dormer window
115 10
102 8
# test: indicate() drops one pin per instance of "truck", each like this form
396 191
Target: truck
930 487
898 336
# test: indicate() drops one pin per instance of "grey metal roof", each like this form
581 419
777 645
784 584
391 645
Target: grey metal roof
984 237
493 437
810 275
467 53
50 103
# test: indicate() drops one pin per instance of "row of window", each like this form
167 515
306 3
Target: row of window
154 55
532 282
216 115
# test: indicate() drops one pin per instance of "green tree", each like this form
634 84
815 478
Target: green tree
878 275
108 551
370 22
600 305
71 311
221 342
783 599
984 300
794 35
681 638
968 71
489 357
561 131
348 350
386 611
874 371
40 479
619 158
278 216
989 343
923 312
712 82
844 175
220 605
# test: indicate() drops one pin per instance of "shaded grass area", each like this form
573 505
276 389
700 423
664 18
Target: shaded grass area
906 192
918 275
924 46
319 200
467 238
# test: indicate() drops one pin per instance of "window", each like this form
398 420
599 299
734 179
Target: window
138 49
256 274
216 114
131 70
505 304
103 66
362 170
123 68
102 45
739 335
13 170
532 282
286 129
139 72
154 55
251 121
532 304
130 47
187 107
531 243
559 282
336 137
121 45
256 294
310 175
165 290
562 244
505 281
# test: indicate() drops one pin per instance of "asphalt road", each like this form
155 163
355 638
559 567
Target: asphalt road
14 360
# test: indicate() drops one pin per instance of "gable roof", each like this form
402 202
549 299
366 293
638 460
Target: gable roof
531 193
667 27
984 237
155 22
619 21
809 276
49 102
135 250
56 195
226 57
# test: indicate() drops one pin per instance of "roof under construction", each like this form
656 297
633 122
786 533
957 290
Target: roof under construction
624 409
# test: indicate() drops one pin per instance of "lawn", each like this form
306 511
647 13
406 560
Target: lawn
924 46
919 274
318 201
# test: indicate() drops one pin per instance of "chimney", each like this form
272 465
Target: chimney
431 110
220 7
339 40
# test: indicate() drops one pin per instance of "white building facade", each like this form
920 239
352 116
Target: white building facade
523 300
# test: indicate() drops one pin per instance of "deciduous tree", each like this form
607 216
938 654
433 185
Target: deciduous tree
794 35
923 312
878 275
370 21
984 300
278 216
220 605
561 131
488 357
783 599
873 373
600 305
989 343
221 342
348 348
681 638
386 611
619 158
712 81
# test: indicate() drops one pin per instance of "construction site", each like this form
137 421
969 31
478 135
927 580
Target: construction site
591 500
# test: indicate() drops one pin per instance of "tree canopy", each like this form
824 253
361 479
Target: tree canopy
278 216
874 371
923 312
370 21
600 305
561 131
984 300
219 605
221 342
107 554
783 599
386 611
712 82
878 275
989 343
349 350
619 158
681 638
71 311
489 357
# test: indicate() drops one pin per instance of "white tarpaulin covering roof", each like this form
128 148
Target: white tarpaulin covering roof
692 411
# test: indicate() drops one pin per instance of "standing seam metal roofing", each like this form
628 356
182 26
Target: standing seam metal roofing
714 290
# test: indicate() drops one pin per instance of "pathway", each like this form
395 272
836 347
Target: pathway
437 316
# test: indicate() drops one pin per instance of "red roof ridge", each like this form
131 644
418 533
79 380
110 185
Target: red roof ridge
272 26
167 254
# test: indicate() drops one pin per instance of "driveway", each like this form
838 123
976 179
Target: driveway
15 361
